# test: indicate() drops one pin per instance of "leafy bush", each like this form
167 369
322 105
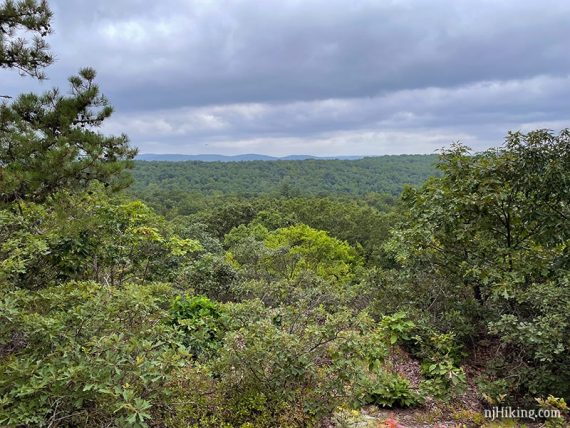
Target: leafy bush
397 327
443 379
555 404
83 354
210 275
493 392
88 236
388 389
286 367
201 321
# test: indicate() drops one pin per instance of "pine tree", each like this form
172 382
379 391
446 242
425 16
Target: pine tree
50 142
24 26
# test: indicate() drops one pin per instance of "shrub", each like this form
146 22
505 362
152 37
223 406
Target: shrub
200 320
210 275
483 250
82 354
493 392
289 367
443 379
388 389
397 327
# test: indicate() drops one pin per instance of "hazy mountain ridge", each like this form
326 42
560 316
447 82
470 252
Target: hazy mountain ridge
232 158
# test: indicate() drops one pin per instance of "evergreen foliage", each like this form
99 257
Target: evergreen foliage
48 143
28 55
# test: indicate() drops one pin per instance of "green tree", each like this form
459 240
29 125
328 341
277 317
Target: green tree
288 252
487 249
301 248
28 55
89 236
50 142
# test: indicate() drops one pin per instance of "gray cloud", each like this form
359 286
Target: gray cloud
318 77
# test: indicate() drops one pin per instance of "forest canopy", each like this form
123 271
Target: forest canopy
382 174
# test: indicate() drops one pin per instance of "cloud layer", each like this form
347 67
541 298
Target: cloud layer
318 77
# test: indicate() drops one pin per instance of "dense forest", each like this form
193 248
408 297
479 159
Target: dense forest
383 174
271 294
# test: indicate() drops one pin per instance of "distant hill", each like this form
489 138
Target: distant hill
382 174
236 158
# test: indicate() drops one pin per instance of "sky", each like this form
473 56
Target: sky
330 77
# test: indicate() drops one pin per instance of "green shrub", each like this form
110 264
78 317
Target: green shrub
83 354
201 321
88 237
493 392
557 404
443 379
397 327
210 275
388 389
286 367
483 252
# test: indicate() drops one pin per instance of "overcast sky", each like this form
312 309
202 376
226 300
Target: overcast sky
324 77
